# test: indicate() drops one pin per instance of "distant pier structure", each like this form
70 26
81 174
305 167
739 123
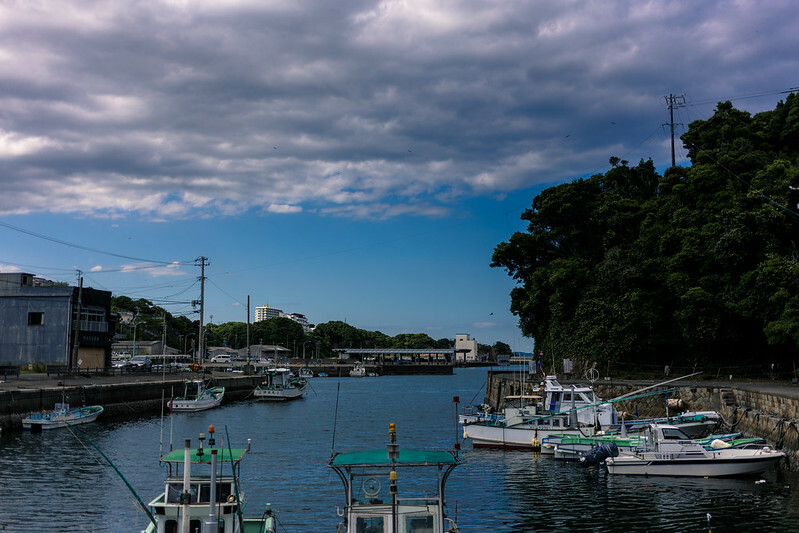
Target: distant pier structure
402 360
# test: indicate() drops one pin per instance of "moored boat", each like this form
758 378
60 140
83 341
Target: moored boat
373 502
305 373
197 396
670 452
61 417
203 492
358 371
280 385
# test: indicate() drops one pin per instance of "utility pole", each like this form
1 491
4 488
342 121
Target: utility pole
73 358
201 342
248 329
673 101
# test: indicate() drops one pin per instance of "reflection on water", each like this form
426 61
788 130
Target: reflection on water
56 482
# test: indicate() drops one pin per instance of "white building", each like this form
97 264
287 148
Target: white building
299 319
265 313
465 348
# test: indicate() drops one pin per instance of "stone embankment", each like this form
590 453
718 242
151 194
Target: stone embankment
769 410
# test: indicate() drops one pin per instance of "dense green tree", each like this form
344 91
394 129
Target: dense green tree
698 266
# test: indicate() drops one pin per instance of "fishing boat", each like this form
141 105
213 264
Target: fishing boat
520 429
572 448
305 373
552 397
202 487
670 452
358 371
197 397
61 417
280 385
373 503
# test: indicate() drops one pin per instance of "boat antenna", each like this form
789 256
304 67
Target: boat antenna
171 415
161 438
335 417
122 477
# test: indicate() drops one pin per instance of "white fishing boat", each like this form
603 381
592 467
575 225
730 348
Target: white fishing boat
520 429
203 492
197 397
305 373
573 410
552 397
573 448
670 452
280 385
371 484
61 416
358 371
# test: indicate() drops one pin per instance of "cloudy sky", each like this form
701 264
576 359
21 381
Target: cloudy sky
352 160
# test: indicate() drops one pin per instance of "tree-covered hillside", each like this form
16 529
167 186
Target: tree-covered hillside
698 267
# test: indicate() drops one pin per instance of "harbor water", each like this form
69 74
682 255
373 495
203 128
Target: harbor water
56 481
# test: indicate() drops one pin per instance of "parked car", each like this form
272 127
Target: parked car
222 358
139 362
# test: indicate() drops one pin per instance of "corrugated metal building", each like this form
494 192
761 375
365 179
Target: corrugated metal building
37 323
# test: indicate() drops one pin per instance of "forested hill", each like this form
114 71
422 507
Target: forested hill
699 266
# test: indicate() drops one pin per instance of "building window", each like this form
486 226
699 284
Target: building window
35 318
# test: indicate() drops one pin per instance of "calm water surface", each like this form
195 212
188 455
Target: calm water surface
57 482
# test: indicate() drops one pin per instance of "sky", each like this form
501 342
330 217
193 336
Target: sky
352 160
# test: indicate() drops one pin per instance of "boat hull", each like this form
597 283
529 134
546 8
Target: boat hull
717 465
44 421
279 395
210 399
509 438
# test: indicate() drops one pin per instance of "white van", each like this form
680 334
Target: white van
223 358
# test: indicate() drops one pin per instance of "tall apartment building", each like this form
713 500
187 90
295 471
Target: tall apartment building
265 312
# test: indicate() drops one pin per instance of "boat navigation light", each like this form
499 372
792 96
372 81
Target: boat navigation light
392 476
392 447
211 440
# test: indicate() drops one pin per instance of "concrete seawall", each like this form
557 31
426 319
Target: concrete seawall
120 397
767 410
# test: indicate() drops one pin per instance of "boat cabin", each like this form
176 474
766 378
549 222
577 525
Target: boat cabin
580 399
193 389
278 378
374 502
168 507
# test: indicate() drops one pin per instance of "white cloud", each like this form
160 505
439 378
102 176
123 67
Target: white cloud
177 109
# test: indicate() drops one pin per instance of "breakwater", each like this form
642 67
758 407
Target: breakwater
119 396
766 410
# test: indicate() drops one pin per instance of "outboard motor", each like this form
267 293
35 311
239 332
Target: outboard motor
598 453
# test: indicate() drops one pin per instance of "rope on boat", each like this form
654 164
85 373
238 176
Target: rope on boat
335 417
235 481
127 483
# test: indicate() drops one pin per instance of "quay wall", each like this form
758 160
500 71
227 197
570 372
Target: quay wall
118 399
769 414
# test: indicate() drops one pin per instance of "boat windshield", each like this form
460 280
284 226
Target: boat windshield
674 434
174 489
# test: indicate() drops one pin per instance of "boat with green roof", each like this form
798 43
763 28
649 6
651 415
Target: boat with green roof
371 481
202 492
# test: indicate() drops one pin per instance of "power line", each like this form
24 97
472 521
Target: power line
87 248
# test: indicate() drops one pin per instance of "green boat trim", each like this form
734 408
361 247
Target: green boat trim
407 457
234 455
